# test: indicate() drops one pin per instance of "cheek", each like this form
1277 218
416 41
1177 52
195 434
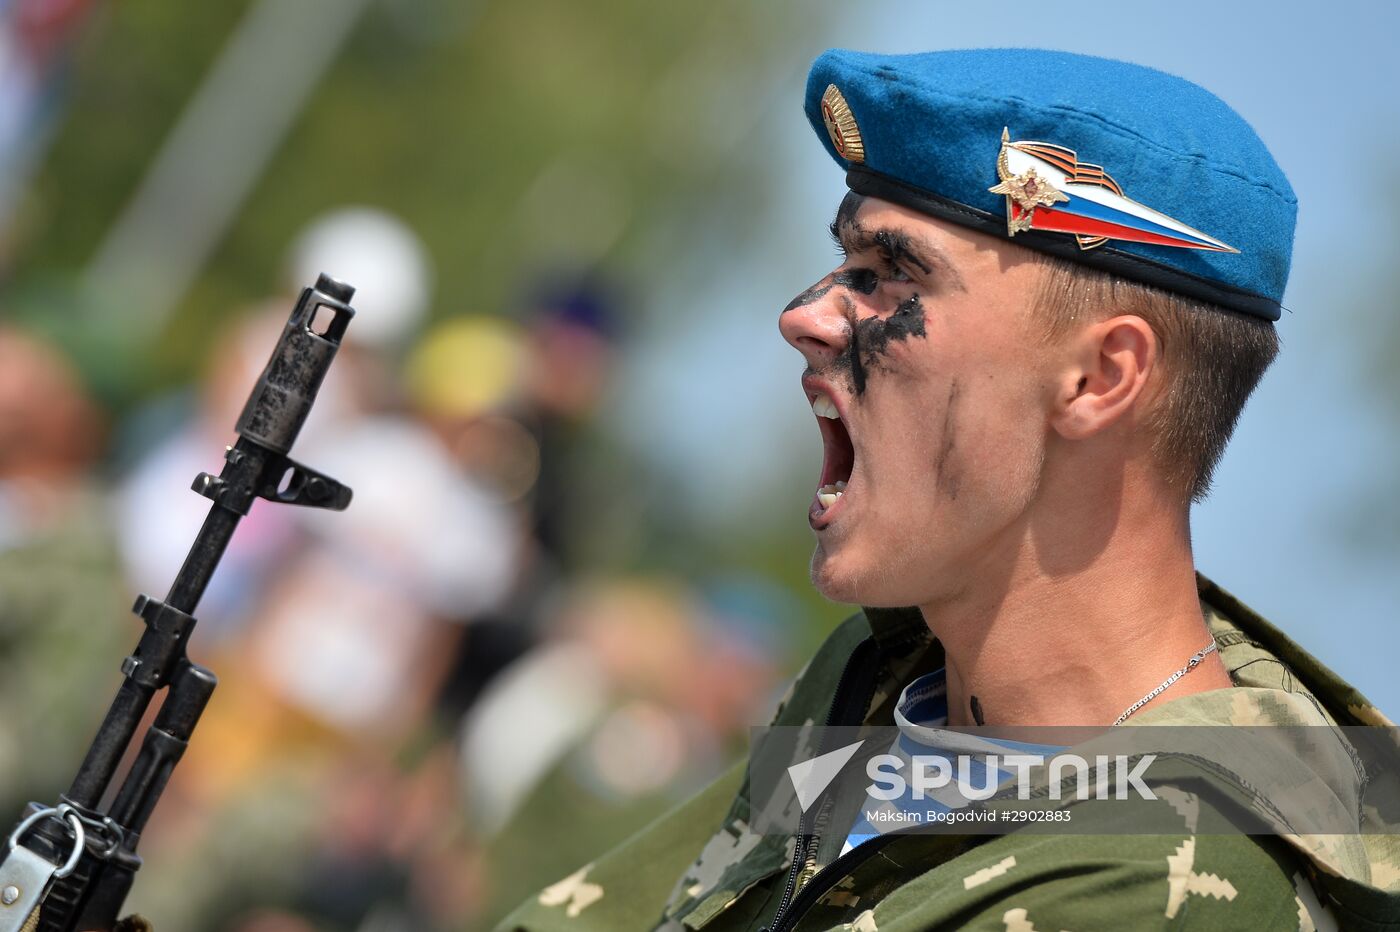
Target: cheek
1000 425
966 457
935 498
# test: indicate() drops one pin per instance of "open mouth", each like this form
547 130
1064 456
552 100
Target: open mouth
838 458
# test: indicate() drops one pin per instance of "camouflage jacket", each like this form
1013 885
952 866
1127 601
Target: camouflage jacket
741 880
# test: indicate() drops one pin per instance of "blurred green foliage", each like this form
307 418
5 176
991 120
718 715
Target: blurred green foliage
510 135
513 136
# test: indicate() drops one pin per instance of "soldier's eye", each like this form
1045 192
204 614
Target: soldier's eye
891 271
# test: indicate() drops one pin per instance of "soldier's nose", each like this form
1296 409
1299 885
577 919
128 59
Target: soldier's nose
815 325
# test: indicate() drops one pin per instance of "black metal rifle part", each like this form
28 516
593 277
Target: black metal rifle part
74 861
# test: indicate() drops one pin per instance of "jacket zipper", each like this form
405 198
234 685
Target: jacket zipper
828 877
841 701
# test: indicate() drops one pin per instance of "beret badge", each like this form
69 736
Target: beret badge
1047 188
841 125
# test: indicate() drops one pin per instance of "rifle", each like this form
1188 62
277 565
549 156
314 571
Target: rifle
69 867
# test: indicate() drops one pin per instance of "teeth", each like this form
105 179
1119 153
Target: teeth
828 494
841 485
823 406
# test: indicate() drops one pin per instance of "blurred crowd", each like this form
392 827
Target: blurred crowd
431 704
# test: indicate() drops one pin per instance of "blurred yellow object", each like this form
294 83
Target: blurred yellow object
466 367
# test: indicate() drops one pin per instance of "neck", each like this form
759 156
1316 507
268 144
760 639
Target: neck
1071 628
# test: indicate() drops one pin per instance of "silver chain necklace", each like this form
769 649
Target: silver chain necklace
1196 658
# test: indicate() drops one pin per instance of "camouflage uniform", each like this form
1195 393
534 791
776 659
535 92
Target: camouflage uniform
1016 882
62 608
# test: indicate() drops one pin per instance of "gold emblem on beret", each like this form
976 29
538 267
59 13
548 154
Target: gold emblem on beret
1049 189
1024 192
841 125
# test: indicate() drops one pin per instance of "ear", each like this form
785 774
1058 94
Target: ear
1110 364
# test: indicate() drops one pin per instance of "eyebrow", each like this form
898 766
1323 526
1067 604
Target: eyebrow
900 244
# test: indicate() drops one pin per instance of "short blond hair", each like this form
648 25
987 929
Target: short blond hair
1212 359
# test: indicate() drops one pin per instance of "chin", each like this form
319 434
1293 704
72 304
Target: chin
852 578
843 577
831 579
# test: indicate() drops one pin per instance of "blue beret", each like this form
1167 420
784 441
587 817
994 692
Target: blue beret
1116 166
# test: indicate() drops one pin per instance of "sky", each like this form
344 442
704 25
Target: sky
1318 445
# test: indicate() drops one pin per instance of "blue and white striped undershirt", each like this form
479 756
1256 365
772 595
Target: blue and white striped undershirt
922 717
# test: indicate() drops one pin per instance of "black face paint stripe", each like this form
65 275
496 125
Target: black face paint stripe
977 711
853 357
815 293
906 321
871 338
946 478
862 280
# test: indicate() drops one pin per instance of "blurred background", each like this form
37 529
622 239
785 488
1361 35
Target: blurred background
575 568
